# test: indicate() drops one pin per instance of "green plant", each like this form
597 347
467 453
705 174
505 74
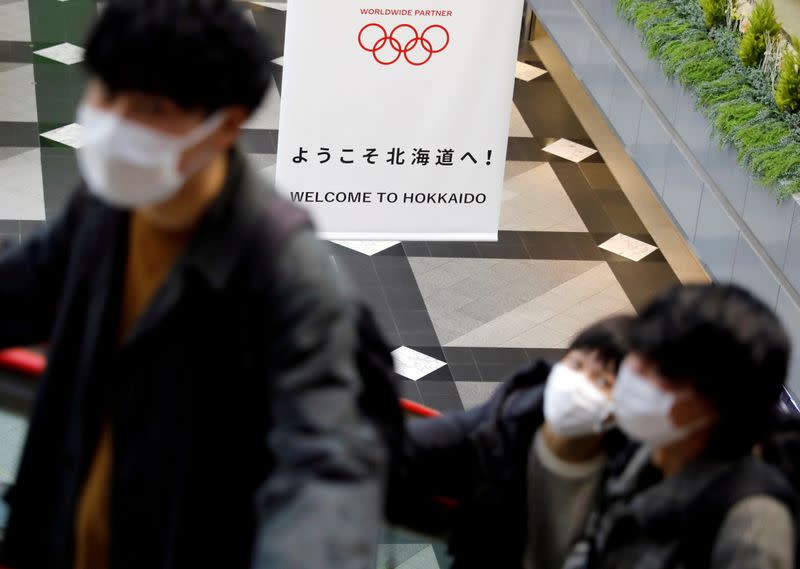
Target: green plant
788 188
679 51
734 114
739 101
702 70
648 12
714 12
657 36
729 87
752 139
772 165
787 90
624 7
763 23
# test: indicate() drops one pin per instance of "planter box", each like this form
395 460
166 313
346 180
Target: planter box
736 227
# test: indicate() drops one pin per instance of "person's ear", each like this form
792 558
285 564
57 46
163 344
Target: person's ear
692 407
228 132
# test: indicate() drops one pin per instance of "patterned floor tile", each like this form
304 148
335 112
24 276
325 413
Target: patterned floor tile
628 247
21 186
69 135
464 295
518 126
536 201
13 429
368 248
66 53
425 559
11 151
518 167
17 93
413 364
15 21
553 318
392 555
268 172
262 161
476 393
526 72
569 150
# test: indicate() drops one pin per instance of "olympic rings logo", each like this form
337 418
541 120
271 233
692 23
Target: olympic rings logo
403 41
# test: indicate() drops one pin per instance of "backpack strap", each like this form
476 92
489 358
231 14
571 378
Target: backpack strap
705 515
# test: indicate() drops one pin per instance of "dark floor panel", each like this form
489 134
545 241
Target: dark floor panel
15 52
599 176
21 134
260 141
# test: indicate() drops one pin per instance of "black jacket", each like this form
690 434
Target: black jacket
681 522
237 437
478 458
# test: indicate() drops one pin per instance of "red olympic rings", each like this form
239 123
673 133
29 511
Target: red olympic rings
403 41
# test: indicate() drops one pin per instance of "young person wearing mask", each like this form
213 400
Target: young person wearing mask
524 468
698 392
200 408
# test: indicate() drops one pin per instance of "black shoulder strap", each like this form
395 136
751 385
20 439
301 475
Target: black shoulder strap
705 515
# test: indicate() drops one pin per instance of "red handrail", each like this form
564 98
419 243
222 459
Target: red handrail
417 409
33 364
23 361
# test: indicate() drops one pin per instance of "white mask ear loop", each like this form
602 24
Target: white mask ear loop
695 425
199 134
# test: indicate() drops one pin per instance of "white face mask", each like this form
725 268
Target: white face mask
573 405
643 410
129 165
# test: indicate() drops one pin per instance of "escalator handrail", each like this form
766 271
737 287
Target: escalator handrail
33 364
23 361
418 409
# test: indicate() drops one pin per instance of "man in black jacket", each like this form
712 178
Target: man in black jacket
200 405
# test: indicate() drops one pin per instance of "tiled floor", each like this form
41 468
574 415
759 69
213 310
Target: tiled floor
462 316
15 22
17 92
12 433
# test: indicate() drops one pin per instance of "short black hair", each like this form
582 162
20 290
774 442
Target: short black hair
609 338
202 54
726 344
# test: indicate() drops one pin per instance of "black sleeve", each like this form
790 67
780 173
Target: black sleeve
451 455
457 456
444 452
322 505
31 278
440 464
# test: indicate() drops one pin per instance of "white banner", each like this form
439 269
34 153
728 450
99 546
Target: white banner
394 117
